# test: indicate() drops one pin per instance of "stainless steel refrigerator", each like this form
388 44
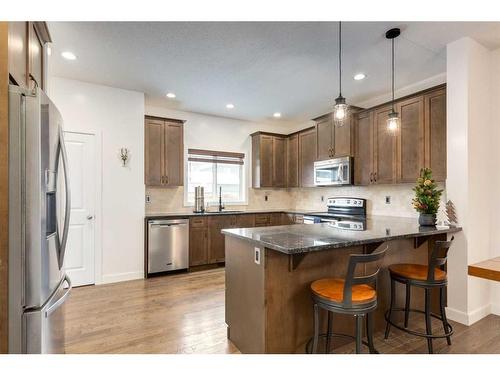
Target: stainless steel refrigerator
39 209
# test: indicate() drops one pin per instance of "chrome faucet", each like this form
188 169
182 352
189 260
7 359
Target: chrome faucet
221 207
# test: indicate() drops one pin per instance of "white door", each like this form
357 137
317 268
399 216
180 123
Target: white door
79 260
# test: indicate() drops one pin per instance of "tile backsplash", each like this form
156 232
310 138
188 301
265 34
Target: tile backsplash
172 199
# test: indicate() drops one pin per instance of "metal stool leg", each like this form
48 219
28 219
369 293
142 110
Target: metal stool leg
359 332
428 318
407 304
443 314
316 329
393 295
369 332
329 331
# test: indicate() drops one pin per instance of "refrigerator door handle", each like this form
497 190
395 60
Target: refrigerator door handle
61 300
64 239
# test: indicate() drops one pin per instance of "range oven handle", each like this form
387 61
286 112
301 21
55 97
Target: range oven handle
67 208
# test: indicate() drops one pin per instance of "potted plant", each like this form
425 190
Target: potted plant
427 197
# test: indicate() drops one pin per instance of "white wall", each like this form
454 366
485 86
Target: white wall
472 174
118 117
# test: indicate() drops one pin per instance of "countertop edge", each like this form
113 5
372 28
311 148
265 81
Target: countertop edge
292 251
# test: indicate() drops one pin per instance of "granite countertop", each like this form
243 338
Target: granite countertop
225 212
303 238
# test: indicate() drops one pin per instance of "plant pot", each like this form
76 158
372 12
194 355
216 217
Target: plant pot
427 219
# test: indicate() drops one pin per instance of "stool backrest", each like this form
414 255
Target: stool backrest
439 257
351 280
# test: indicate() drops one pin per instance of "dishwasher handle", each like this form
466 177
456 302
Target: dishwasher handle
168 223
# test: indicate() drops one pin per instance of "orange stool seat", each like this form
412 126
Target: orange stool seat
333 290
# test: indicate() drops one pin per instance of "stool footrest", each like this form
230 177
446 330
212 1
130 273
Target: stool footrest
416 333
343 335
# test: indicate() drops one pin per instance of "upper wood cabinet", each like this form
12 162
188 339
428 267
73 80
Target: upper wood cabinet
333 141
307 157
384 158
410 140
27 53
435 133
384 161
363 160
164 152
268 160
292 160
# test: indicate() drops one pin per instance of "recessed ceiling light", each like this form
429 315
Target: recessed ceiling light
229 106
171 95
68 55
277 114
360 76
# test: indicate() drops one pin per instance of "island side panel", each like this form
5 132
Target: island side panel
245 307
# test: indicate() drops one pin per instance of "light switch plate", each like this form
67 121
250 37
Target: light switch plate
148 199
388 199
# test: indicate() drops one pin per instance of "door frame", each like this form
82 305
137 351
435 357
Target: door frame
98 200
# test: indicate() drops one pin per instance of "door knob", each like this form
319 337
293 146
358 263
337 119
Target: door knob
90 217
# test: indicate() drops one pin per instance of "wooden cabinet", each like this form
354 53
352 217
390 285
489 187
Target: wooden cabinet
198 241
307 157
27 55
262 220
325 137
333 141
435 133
268 160
363 159
292 160
384 158
216 240
164 152
245 221
410 140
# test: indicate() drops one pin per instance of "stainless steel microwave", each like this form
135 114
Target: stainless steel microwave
333 172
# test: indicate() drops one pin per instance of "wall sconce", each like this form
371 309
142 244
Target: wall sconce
124 156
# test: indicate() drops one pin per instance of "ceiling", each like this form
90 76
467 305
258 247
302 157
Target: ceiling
262 68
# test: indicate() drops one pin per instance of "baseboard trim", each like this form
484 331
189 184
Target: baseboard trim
471 317
495 308
125 276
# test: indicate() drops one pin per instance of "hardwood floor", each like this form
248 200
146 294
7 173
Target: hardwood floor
184 313
181 313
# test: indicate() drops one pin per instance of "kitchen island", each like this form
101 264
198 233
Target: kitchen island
269 270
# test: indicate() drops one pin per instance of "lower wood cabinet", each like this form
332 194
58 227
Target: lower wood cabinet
216 240
207 243
198 241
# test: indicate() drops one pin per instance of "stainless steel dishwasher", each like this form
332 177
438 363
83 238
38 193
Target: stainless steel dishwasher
168 245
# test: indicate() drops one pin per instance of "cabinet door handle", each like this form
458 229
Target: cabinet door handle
371 177
375 176
166 180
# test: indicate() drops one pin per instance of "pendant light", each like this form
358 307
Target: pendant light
341 109
393 119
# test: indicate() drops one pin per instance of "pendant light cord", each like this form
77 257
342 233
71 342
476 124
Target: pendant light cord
393 74
340 58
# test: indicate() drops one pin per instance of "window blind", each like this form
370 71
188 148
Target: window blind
210 156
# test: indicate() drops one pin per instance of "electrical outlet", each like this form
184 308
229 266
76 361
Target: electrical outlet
257 255
266 197
322 198
148 199
388 199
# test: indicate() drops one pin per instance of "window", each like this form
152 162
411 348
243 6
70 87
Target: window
215 170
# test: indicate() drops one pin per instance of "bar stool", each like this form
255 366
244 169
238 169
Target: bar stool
427 277
354 295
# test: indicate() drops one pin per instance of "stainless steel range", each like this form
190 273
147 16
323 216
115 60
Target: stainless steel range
343 213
